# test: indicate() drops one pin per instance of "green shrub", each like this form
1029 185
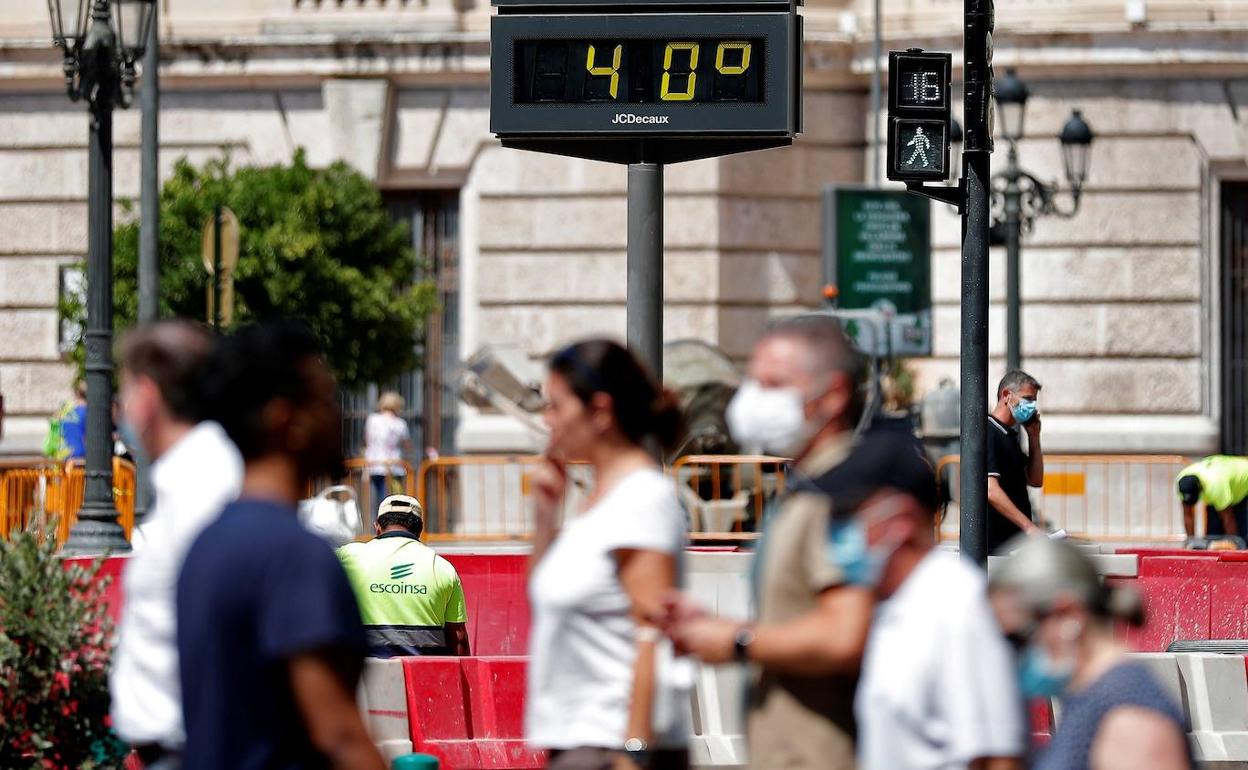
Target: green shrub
54 651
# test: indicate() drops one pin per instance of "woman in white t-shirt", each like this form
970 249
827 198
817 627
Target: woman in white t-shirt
386 440
604 690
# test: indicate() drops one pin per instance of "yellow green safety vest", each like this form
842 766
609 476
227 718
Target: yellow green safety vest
406 592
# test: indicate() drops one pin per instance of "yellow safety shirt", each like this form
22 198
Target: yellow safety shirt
1223 480
406 592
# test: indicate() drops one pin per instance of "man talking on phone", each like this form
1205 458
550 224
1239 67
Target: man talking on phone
1011 469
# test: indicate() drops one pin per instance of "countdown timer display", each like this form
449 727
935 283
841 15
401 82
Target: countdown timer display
646 74
921 81
630 72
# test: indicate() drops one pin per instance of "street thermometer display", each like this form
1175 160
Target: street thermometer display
693 79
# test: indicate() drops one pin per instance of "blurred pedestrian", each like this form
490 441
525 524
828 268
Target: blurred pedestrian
67 431
411 598
949 701
267 623
1221 483
1052 603
604 689
802 399
195 472
387 440
1011 469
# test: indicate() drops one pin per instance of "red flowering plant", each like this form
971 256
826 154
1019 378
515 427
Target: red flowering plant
54 650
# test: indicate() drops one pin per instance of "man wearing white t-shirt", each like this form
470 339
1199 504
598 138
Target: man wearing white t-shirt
196 470
939 685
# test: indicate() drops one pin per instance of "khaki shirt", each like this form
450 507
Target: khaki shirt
800 722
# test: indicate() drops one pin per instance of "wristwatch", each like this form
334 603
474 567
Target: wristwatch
741 643
638 752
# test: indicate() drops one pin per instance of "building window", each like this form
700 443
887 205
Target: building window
72 291
431 403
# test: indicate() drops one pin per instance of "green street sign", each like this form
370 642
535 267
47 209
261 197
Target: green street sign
877 252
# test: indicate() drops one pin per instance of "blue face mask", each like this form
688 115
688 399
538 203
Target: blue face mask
130 437
1024 410
1039 676
847 548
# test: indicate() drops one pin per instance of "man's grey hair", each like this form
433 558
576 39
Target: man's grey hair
1015 380
830 350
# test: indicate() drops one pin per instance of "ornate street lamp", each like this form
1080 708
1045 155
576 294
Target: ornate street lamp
1076 139
1019 198
1011 95
101 40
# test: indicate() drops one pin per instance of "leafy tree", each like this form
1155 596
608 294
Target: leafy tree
315 244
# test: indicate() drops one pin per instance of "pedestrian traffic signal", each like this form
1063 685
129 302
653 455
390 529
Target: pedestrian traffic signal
977 83
918 115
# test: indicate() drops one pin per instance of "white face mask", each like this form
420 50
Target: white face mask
770 419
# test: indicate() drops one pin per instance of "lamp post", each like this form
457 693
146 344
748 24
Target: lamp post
100 40
1019 198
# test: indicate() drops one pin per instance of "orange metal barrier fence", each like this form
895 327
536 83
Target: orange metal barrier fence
40 495
1097 497
360 481
727 495
490 498
487 497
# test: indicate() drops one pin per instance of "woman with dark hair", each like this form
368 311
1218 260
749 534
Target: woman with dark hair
1052 604
605 690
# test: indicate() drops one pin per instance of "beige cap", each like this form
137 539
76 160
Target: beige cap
401 504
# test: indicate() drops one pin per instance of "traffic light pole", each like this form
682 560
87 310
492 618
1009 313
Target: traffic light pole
976 220
645 264
973 482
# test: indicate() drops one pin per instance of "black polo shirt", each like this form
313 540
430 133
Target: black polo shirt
1008 462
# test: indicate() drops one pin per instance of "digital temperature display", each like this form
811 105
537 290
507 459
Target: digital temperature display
634 72
715 81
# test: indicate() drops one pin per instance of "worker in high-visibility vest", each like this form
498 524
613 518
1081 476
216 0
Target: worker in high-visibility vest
410 598
1221 483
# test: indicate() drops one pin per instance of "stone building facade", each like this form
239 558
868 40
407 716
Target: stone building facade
1128 319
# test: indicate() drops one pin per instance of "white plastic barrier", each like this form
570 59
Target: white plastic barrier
719 717
383 701
721 583
1217 700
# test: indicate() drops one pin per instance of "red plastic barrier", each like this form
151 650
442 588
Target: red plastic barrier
469 712
437 711
496 689
1189 595
1143 552
112 568
498 605
1040 714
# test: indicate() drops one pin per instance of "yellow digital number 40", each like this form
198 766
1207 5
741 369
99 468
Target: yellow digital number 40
613 70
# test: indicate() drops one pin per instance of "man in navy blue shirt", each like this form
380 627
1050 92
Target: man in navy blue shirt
269 634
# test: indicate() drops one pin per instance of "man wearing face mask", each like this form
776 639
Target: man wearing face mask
1011 470
196 470
938 688
802 400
